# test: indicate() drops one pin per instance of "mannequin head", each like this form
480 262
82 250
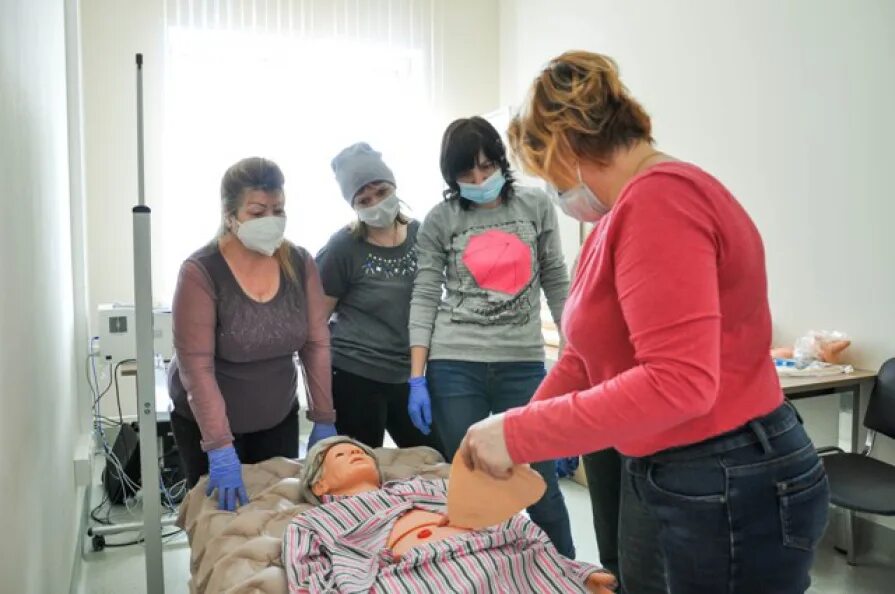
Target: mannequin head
339 466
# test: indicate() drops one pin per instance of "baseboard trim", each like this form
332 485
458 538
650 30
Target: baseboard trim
83 495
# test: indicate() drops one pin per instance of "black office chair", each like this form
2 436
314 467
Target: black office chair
859 483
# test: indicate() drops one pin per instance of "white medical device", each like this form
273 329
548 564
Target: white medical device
117 338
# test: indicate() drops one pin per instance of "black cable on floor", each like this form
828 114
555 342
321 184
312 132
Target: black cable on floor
140 540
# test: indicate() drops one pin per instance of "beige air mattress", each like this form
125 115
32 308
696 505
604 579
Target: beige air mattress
240 552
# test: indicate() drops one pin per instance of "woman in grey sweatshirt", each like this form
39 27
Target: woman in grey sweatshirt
484 255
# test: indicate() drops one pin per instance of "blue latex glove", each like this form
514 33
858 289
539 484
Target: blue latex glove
566 467
321 431
419 405
225 475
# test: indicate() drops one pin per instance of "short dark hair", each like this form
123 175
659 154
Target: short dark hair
461 144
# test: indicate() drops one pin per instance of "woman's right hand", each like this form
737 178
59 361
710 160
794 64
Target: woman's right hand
419 405
601 583
225 475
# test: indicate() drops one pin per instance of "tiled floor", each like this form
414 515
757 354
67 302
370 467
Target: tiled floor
121 571
832 575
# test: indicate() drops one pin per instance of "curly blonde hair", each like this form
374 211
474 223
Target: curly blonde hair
577 108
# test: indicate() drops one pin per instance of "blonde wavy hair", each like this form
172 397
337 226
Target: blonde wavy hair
577 109
254 173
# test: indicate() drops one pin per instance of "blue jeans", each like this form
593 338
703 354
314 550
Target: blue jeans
465 392
739 513
640 562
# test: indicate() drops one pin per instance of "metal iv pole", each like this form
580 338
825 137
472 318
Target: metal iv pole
152 509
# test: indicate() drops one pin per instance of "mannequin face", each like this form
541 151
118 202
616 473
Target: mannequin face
346 469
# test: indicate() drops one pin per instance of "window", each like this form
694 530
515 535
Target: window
297 98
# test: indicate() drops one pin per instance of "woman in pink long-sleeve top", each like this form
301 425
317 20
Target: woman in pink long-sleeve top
245 304
668 330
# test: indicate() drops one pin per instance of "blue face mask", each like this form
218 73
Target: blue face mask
485 192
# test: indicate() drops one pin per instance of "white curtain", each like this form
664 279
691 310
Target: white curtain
295 81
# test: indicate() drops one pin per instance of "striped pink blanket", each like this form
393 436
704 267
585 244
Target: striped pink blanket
341 546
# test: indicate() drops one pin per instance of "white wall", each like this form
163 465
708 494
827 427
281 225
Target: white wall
38 369
471 34
788 103
113 31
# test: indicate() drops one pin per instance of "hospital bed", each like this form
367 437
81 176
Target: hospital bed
241 552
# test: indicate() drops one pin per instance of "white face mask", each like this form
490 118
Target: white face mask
263 235
381 215
581 203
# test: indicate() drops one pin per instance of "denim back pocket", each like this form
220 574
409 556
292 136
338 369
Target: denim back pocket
804 501
700 483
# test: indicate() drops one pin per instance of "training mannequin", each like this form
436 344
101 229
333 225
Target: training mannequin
349 470
369 536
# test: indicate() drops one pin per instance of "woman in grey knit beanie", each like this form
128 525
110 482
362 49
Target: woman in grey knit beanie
367 270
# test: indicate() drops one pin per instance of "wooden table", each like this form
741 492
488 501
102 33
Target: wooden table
853 388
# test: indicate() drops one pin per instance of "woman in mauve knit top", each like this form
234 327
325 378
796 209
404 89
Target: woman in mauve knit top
668 332
244 306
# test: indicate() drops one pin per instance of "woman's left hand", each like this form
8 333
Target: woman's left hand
484 448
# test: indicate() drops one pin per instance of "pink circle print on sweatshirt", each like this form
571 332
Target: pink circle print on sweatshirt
499 261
